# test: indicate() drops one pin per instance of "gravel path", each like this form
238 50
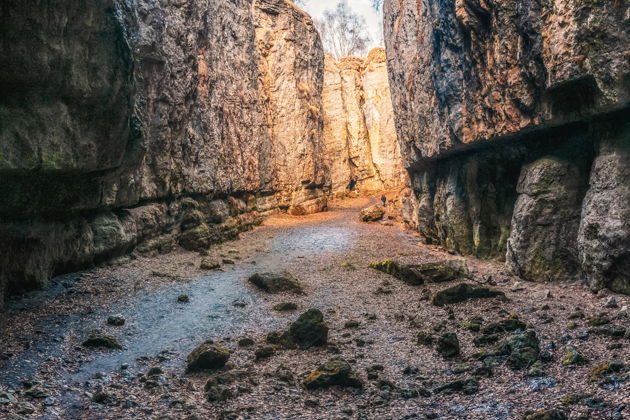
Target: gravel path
329 253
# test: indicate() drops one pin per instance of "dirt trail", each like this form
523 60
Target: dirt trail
329 253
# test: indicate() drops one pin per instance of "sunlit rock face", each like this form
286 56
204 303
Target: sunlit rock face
361 142
508 115
136 126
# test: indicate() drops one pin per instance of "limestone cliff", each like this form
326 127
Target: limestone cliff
359 128
139 125
513 120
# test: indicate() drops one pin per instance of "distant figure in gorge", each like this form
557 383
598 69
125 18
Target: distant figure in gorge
384 200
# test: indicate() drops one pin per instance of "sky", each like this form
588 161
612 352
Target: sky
373 20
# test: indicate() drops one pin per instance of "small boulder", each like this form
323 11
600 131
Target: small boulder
216 391
424 338
264 352
335 371
276 282
372 213
463 292
183 299
97 338
572 356
433 272
309 329
209 264
116 320
448 345
207 356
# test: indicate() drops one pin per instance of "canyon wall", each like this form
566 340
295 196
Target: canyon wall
142 125
514 124
359 131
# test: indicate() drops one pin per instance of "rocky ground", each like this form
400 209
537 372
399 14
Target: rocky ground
373 343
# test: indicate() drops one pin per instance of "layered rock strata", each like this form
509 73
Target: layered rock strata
359 131
513 124
138 126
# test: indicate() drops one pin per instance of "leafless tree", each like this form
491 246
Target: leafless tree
343 32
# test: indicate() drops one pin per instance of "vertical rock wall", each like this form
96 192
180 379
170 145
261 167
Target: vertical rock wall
359 128
141 125
508 114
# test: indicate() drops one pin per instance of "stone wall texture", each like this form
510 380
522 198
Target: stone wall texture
359 132
509 114
139 125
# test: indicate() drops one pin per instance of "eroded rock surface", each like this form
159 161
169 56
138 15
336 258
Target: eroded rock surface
508 115
138 126
359 131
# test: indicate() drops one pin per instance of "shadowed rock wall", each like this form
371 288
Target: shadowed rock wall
508 114
141 125
359 131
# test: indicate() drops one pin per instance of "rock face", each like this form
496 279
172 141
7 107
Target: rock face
137 126
509 114
359 132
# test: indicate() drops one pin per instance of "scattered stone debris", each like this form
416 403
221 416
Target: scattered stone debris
372 213
276 282
463 292
97 338
335 371
434 272
207 356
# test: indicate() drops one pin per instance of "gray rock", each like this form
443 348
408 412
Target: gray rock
276 282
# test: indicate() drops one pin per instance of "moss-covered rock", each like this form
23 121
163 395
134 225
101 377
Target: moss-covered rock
510 324
276 282
473 324
522 350
463 292
598 320
216 391
448 345
335 371
572 356
434 272
605 368
98 339
309 329
209 264
207 356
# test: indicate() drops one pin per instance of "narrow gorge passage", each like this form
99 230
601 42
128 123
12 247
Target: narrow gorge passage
314 209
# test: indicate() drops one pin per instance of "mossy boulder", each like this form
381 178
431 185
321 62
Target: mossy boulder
276 282
465 386
335 371
510 324
309 329
209 264
549 414
463 292
434 272
572 356
606 368
372 213
98 339
448 345
473 324
598 320
522 350
207 356
216 391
